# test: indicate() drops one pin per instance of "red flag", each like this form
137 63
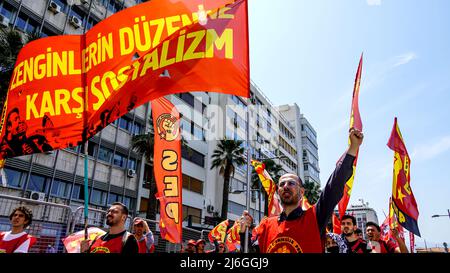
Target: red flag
168 177
274 204
336 224
233 238
355 122
305 203
403 201
65 89
219 231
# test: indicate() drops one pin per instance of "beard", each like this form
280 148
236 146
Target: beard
348 232
110 221
290 199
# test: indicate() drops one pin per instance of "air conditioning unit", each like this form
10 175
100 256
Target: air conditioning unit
54 7
210 208
4 21
75 21
38 196
131 173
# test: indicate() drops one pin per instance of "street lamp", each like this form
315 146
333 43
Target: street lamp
437 215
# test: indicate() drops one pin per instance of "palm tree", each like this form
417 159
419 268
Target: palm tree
143 145
227 155
11 42
312 191
274 170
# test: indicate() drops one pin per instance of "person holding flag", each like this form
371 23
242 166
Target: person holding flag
117 239
17 240
296 230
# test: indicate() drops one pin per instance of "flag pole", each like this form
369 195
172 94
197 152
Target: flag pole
247 199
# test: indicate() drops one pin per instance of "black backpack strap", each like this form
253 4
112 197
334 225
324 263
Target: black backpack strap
125 237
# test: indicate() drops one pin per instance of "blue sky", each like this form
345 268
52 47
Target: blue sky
308 51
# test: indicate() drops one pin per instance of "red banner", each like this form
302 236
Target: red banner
355 122
167 168
72 242
336 224
273 201
65 89
219 231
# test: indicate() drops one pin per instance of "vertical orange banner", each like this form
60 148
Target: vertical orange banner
167 167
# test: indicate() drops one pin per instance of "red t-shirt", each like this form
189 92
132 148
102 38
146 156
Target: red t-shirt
299 235
11 245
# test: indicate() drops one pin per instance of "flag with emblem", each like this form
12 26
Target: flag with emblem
355 122
219 231
403 202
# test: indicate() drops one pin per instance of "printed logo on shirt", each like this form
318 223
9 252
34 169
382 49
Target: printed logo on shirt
100 249
284 245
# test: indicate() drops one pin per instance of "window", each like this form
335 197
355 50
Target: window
78 192
125 123
7 11
14 178
127 202
148 176
235 208
98 197
193 156
105 154
60 189
92 149
37 183
194 214
198 132
114 198
132 164
305 166
119 160
192 184
190 100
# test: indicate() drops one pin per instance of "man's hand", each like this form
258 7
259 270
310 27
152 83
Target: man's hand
84 246
147 229
245 221
394 232
356 139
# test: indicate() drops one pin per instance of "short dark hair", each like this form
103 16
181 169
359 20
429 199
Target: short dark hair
14 110
373 224
358 231
124 208
345 217
26 211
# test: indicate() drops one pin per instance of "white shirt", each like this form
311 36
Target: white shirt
23 248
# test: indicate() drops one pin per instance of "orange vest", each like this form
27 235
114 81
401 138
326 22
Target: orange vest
300 235
110 246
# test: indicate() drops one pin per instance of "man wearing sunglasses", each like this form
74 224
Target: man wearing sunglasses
296 230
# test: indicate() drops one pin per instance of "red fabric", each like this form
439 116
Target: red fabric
297 236
143 246
12 245
110 246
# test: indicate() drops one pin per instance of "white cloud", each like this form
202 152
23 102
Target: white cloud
431 150
373 2
405 58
